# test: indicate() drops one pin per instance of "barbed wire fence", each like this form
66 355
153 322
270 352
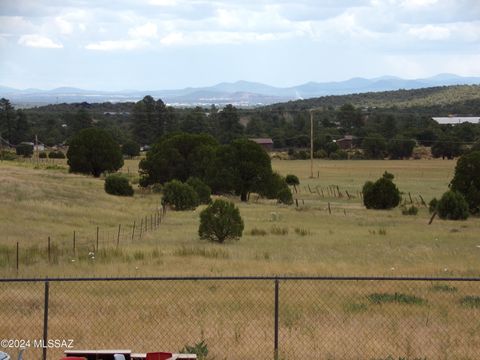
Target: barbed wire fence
280 318
83 244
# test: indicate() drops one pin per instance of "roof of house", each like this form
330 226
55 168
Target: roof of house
346 138
263 141
457 119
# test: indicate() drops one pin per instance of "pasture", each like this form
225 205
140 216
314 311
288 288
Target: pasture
42 201
352 319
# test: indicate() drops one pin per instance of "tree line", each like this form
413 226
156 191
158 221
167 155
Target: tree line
380 132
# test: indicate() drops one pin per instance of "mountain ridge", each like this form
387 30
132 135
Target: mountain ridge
241 93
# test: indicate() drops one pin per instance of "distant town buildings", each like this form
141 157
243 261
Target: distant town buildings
455 120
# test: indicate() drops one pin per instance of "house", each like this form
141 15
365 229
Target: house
345 143
39 147
265 143
455 120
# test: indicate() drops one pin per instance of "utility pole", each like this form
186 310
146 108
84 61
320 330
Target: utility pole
37 155
311 143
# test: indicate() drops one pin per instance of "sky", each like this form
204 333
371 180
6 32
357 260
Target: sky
172 44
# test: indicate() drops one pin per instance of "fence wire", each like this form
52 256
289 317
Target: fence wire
249 318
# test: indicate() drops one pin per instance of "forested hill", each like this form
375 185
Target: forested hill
463 99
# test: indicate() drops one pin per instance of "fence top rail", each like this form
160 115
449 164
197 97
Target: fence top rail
244 278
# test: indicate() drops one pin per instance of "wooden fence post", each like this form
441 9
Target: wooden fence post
133 230
74 242
97 238
48 250
118 234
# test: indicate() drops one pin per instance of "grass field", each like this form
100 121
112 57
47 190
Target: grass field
339 320
41 202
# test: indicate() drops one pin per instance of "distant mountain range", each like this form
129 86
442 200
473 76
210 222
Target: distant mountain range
240 93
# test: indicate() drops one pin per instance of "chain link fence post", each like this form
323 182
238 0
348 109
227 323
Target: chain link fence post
45 321
276 321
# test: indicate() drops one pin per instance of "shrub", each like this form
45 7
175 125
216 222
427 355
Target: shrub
338 155
56 155
179 195
284 196
320 154
117 184
42 155
292 180
357 155
411 210
7 155
93 151
258 232
157 188
203 190
25 150
382 194
432 205
453 206
220 221
467 180
275 187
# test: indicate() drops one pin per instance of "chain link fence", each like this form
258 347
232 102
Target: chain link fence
248 317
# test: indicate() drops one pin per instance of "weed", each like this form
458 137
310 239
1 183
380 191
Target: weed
385 298
354 307
471 301
155 253
279 231
138 255
258 232
444 288
411 210
382 231
201 251
302 232
200 349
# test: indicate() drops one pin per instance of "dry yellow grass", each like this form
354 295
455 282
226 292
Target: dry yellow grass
333 319
38 203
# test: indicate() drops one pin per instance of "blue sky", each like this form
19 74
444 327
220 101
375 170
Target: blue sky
161 44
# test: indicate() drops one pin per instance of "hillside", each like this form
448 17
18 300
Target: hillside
452 98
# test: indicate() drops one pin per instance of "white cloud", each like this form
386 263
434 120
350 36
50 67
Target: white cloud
149 30
39 41
163 2
216 38
64 26
110 45
413 4
430 32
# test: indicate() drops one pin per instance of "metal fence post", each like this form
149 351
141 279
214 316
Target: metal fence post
45 322
276 321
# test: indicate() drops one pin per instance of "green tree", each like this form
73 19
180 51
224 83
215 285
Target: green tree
466 180
220 221
452 206
446 147
93 151
81 120
292 180
7 120
25 150
151 120
349 117
374 146
131 149
400 147
381 194
203 190
195 121
242 166
180 196
229 127
178 156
